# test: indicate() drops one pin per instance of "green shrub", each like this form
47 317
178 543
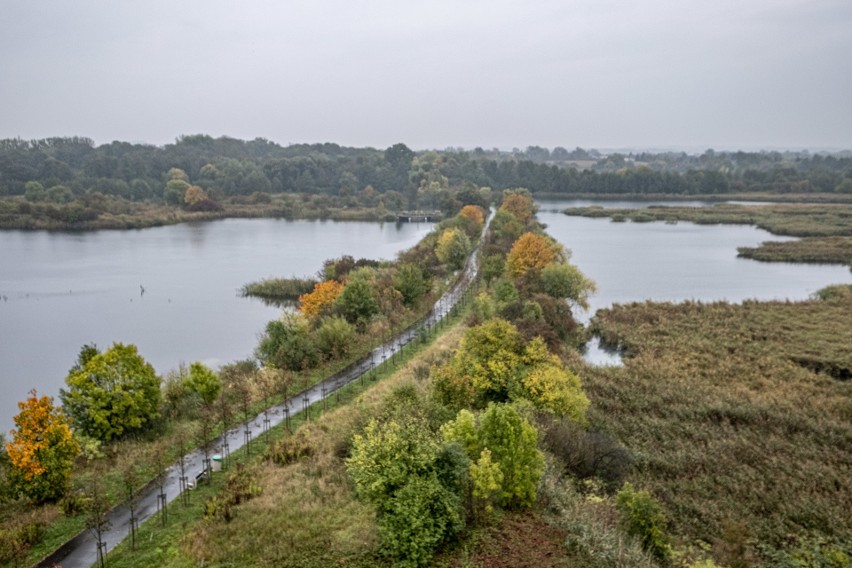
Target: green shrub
644 519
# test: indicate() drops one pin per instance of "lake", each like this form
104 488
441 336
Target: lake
64 290
658 261
59 291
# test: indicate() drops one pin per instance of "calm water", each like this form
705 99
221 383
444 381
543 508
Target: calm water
639 261
64 290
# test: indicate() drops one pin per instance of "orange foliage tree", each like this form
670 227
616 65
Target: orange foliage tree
473 212
530 252
323 296
520 206
42 450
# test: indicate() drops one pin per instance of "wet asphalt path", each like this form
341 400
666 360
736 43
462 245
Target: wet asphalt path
81 551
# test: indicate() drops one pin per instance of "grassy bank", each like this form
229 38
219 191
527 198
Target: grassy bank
109 212
739 418
827 250
826 230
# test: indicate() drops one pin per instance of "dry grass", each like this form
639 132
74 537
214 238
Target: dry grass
308 514
835 250
734 414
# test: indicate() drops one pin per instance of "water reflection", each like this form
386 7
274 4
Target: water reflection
634 262
597 353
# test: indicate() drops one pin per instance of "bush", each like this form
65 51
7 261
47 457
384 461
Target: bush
643 518
335 337
587 454
291 448
287 344
242 485
421 515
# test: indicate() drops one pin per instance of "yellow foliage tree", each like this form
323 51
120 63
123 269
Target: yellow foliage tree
452 248
521 207
42 449
194 195
531 252
557 390
323 296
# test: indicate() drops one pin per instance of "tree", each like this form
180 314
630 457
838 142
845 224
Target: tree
400 468
204 382
411 283
565 281
34 191
288 344
356 302
644 518
471 219
486 480
452 248
557 390
485 366
111 394
521 206
42 450
174 191
194 197
511 442
531 252
494 364
321 299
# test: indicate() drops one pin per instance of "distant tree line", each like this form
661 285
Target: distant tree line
61 170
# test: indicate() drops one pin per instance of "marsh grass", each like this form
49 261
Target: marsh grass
833 250
278 289
735 414
112 212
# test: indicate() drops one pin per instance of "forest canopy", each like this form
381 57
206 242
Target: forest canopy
61 169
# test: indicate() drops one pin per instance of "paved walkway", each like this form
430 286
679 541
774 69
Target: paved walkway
81 551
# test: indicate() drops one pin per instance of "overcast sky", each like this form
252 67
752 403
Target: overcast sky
593 73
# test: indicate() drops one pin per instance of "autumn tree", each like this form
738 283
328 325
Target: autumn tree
494 364
550 386
321 299
531 252
452 248
484 367
111 394
520 206
471 218
41 450
196 199
474 213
